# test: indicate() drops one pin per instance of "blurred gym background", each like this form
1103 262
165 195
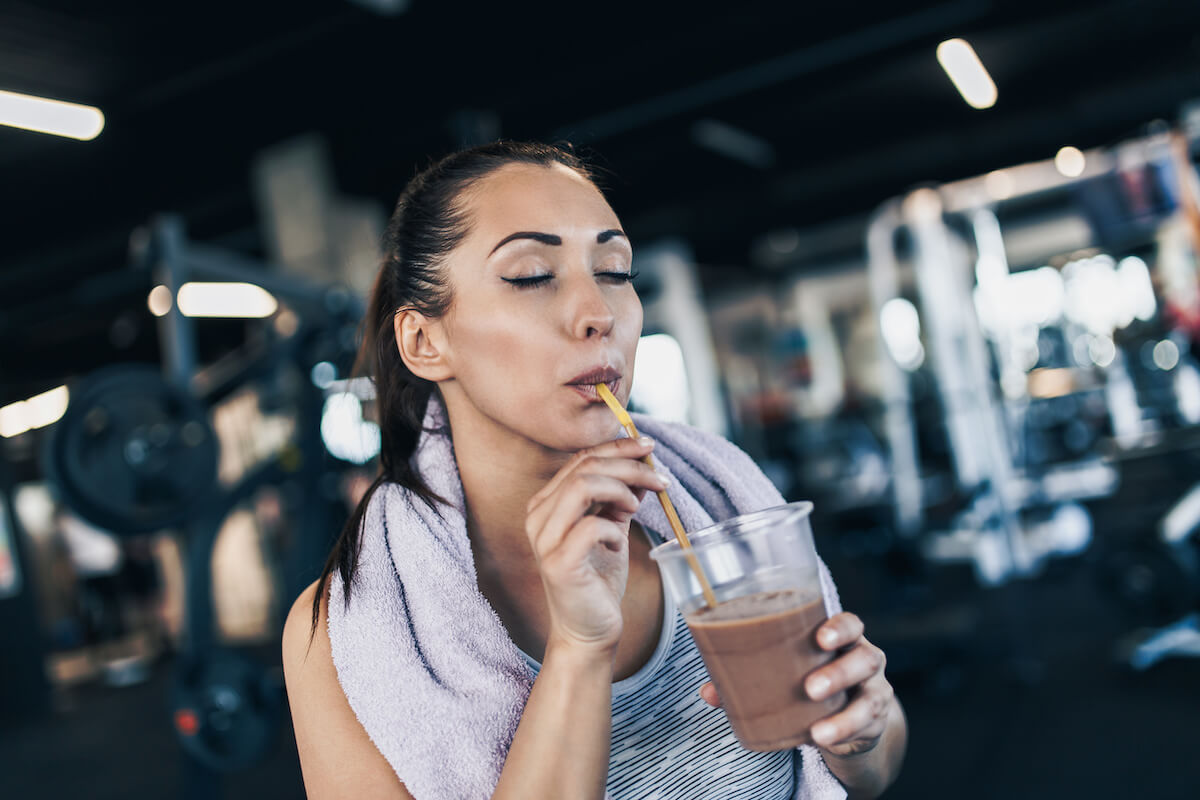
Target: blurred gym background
933 264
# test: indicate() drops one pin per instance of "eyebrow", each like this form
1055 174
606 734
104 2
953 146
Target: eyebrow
552 240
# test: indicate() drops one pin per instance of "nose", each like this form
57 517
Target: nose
590 313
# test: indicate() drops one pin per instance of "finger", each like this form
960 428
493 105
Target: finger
624 448
589 461
633 474
575 501
839 631
846 671
709 693
578 542
864 718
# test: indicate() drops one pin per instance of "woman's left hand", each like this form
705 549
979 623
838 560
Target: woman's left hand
858 670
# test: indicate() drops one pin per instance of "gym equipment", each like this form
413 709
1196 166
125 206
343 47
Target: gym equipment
133 454
25 690
1159 582
1008 515
1159 577
226 709
1179 639
136 452
1047 377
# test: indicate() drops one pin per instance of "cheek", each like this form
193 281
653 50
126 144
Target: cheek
630 325
508 347
496 340
521 347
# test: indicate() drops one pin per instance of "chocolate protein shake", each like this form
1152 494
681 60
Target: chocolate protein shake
756 628
758 650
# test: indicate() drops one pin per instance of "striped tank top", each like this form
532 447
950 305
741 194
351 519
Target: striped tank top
668 744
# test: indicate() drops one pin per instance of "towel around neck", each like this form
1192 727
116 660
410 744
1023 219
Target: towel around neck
424 661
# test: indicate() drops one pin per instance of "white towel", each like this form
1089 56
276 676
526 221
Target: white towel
424 661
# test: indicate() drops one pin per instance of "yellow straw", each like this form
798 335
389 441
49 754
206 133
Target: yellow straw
668 507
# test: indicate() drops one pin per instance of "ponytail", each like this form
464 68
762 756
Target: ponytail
428 223
401 398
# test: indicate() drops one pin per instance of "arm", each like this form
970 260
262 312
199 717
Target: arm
867 774
567 716
560 749
578 528
337 758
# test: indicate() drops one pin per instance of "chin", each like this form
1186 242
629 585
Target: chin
593 429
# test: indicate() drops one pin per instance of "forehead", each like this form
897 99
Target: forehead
536 197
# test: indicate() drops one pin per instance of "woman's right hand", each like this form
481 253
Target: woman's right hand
578 526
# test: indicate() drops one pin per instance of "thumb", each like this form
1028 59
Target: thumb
709 693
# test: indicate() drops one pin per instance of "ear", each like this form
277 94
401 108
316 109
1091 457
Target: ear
421 345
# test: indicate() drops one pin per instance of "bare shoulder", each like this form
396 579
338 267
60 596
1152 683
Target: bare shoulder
336 755
297 628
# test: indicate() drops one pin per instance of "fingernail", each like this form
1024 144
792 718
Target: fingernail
645 441
828 637
817 687
663 479
823 732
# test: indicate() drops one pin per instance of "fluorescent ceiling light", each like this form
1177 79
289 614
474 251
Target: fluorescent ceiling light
50 116
239 300
967 73
36 412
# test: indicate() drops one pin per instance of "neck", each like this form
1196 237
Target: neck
500 471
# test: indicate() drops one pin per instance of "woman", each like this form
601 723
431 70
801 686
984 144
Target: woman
504 296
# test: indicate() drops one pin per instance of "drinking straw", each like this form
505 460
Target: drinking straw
668 507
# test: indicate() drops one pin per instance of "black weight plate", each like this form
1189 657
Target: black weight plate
226 709
132 454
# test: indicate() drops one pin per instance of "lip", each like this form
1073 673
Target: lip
585 383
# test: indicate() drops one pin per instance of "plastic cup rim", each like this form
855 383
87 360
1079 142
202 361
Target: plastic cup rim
709 536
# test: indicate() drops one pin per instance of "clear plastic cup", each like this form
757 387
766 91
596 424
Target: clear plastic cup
759 641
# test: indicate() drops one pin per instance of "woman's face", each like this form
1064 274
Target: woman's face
542 307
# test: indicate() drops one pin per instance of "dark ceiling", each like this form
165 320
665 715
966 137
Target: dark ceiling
846 100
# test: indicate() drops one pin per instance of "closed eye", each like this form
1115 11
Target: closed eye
534 281
618 277
528 283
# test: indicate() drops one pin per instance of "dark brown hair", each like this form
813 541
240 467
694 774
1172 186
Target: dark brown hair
428 223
